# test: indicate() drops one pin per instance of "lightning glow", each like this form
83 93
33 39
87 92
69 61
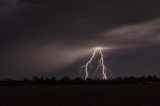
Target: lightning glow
105 71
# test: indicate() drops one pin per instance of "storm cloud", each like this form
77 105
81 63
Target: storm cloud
39 36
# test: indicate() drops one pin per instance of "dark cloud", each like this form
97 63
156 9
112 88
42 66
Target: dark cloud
75 19
47 31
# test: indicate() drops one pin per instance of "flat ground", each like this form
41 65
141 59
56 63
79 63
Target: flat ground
89 95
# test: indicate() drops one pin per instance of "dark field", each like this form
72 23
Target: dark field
89 95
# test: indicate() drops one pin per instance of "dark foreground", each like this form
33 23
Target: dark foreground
81 95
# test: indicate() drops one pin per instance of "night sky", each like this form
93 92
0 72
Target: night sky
54 37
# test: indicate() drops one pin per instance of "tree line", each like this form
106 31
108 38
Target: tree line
79 81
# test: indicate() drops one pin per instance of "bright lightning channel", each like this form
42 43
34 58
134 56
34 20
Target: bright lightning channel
101 64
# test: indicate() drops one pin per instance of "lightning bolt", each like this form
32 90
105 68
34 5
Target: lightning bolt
101 65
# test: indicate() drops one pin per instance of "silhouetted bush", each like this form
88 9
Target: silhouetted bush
38 80
65 80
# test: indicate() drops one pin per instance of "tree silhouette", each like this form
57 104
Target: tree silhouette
78 81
